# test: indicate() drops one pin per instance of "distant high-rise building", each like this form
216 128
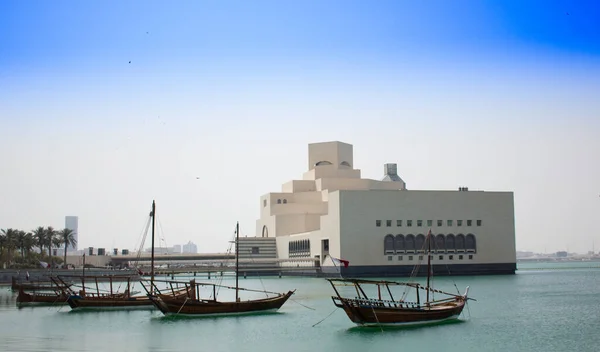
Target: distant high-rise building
190 248
177 248
72 222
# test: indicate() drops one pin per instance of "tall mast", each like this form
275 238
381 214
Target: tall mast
153 214
428 263
237 258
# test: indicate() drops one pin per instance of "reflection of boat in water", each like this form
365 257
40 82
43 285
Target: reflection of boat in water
192 304
369 311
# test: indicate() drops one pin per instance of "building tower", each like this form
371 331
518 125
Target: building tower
72 222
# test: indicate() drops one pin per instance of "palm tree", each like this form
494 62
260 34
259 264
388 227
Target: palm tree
39 236
67 237
21 235
28 243
11 242
50 235
2 244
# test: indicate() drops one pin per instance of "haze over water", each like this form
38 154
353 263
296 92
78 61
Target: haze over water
554 309
207 105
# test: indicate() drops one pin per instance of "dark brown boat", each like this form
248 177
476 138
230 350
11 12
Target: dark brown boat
41 297
111 300
368 311
192 304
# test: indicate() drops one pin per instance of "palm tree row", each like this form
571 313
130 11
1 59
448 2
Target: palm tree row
12 240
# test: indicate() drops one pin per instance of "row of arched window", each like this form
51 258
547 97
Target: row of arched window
279 201
299 248
439 243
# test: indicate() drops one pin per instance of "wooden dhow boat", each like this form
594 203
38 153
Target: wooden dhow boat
42 297
364 310
192 304
113 299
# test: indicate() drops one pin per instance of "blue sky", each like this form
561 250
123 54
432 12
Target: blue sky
214 86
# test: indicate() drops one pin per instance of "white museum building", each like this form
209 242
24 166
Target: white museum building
380 226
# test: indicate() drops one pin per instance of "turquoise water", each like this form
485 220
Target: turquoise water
545 307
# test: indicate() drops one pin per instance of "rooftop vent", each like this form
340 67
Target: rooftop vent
390 172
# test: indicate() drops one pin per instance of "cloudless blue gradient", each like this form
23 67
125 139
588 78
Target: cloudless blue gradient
117 102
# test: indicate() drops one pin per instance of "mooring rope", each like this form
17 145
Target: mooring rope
322 320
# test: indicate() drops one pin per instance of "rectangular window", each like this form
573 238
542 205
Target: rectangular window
469 222
410 257
470 256
419 223
264 202
420 257
441 257
378 223
460 257
429 223
458 222
449 222
254 250
450 257
389 258
478 222
409 223
388 223
326 245
440 223
399 223
399 257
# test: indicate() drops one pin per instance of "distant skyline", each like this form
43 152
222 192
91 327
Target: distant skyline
206 105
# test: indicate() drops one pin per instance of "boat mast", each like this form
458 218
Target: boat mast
237 258
153 214
428 263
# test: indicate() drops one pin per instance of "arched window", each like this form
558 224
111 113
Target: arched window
399 246
285 201
450 243
470 244
388 244
278 201
460 242
345 163
440 243
324 162
265 231
409 243
420 243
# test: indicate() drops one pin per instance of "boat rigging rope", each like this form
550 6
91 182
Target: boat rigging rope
293 300
322 320
184 302
376 318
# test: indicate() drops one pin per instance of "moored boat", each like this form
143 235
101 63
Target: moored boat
378 311
193 304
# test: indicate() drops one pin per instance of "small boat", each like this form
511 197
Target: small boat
192 304
85 299
377 311
88 298
41 297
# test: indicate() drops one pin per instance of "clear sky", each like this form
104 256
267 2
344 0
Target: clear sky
106 105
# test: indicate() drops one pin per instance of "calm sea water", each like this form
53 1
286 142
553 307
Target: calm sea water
545 307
